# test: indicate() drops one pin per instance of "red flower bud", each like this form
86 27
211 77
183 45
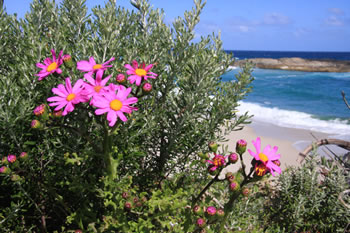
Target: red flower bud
241 146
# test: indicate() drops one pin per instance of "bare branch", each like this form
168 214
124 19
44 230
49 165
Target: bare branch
345 101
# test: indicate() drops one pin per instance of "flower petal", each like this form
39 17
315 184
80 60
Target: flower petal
112 118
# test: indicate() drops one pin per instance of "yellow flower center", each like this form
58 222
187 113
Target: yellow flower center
116 105
140 72
70 97
97 66
97 88
263 157
51 67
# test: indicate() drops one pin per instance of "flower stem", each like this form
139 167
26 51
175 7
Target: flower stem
228 208
107 156
243 165
205 189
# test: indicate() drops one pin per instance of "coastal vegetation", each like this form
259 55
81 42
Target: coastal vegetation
114 122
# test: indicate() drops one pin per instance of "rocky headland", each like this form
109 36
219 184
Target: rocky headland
298 64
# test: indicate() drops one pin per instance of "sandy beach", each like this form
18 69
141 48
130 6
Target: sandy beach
283 137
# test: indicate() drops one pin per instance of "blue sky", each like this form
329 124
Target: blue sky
289 25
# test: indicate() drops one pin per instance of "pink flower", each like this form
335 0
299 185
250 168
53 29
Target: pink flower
50 66
260 168
91 66
267 156
138 72
217 161
94 87
67 96
115 104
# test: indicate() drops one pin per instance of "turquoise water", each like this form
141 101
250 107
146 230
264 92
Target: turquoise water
310 100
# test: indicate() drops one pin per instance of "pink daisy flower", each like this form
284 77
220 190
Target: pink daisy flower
67 96
95 87
115 104
91 66
266 157
216 162
138 72
50 66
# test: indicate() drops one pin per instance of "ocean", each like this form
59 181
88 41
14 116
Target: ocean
307 100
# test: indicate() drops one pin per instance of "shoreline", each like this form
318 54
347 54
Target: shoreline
286 139
298 64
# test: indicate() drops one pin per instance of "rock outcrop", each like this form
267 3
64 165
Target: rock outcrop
298 64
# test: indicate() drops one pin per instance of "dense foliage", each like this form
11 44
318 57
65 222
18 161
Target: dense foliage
151 170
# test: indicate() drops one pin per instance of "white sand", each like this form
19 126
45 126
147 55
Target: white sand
272 135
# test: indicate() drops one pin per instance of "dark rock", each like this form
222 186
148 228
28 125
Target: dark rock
298 64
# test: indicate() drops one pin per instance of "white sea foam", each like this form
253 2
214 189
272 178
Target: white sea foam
232 68
294 119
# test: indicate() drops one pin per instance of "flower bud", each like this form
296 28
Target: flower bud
138 204
203 155
23 156
135 199
239 176
211 211
147 88
36 124
5 170
4 161
231 179
197 210
125 195
68 61
78 231
228 175
241 146
15 178
245 192
233 158
234 186
127 206
120 78
11 158
200 222
144 199
57 114
40 110
220 213
212 170
213 146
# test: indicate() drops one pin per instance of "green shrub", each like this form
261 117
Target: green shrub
307 198
78 168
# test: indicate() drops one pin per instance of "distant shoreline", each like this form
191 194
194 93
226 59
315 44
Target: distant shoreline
298 64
